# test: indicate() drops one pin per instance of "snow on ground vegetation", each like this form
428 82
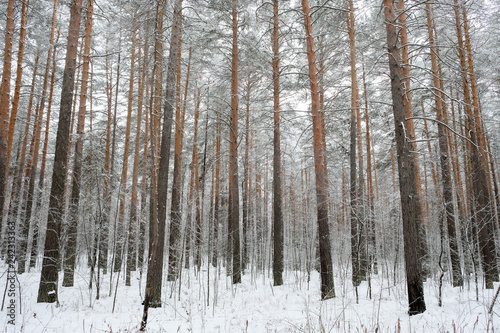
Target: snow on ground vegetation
207 302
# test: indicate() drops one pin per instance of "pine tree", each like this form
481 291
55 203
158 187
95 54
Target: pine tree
326 267
410 205
47 292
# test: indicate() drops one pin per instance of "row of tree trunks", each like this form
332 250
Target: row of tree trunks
19 76
480 200
447 194
120 226
12 124
16 201
31 171
34 244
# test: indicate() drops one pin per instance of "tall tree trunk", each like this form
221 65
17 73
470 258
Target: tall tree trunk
234 202
196 179
16 200
47 292
410 204
154 273
12 123
174 261
277 201
155 262
372 240
443 157
326 267
481 200
410 126
356 182
25 199
31 171
246 181
106 211
5 102
70 256
19 76
120 227
34 244
215 221
134 198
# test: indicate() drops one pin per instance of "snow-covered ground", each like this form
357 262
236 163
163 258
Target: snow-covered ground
253 306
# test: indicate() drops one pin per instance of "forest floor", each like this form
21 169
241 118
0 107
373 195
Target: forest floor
253 306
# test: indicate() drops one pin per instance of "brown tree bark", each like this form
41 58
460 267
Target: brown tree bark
154 273
444 156
410 204
326 267
155 263
25 197
410 126
12 124
5 102
70 255
17 196
19 76
481 200
277 200
47 292
234 202
174 254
